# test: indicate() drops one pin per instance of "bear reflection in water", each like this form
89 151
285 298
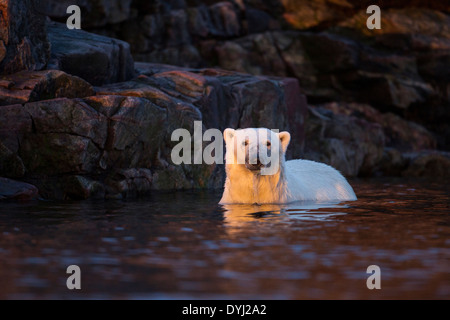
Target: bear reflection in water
241 215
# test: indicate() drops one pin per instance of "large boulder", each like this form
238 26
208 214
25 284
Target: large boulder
17 190
29 86
82 142
23 38
94 58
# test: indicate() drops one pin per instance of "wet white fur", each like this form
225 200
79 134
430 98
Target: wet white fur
296 180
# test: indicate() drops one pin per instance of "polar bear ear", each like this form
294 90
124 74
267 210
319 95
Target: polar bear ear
284 137
228 134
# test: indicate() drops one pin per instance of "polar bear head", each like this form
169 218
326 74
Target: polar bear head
259 150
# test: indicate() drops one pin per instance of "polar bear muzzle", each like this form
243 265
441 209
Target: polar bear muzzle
254 167
258 154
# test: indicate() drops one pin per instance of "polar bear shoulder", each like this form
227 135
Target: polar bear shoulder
310 180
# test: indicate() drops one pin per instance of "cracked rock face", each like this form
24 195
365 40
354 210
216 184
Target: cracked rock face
103 59
84 138
114 141
29 86
23 37
324 44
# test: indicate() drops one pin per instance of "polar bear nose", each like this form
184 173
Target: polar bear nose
254 166
258 163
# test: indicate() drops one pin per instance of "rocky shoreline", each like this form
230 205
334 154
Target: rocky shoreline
80 119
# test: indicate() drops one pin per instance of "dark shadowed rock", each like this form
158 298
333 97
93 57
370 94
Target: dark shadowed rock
428 164
15 123
391 91
393 162
136 129
352 145
23 38
70 116
29 86
400 134
170 178
11 165
254 54
331 53
128 183
259 21
17 190
342 133
277 53
59 153
433 65
81 187
69 134
96 59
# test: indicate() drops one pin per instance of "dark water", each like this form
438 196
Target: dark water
183 245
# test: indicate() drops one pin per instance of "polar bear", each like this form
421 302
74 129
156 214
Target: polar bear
257 172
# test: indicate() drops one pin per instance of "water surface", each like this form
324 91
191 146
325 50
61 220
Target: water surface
184 245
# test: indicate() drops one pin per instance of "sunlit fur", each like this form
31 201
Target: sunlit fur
295 180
